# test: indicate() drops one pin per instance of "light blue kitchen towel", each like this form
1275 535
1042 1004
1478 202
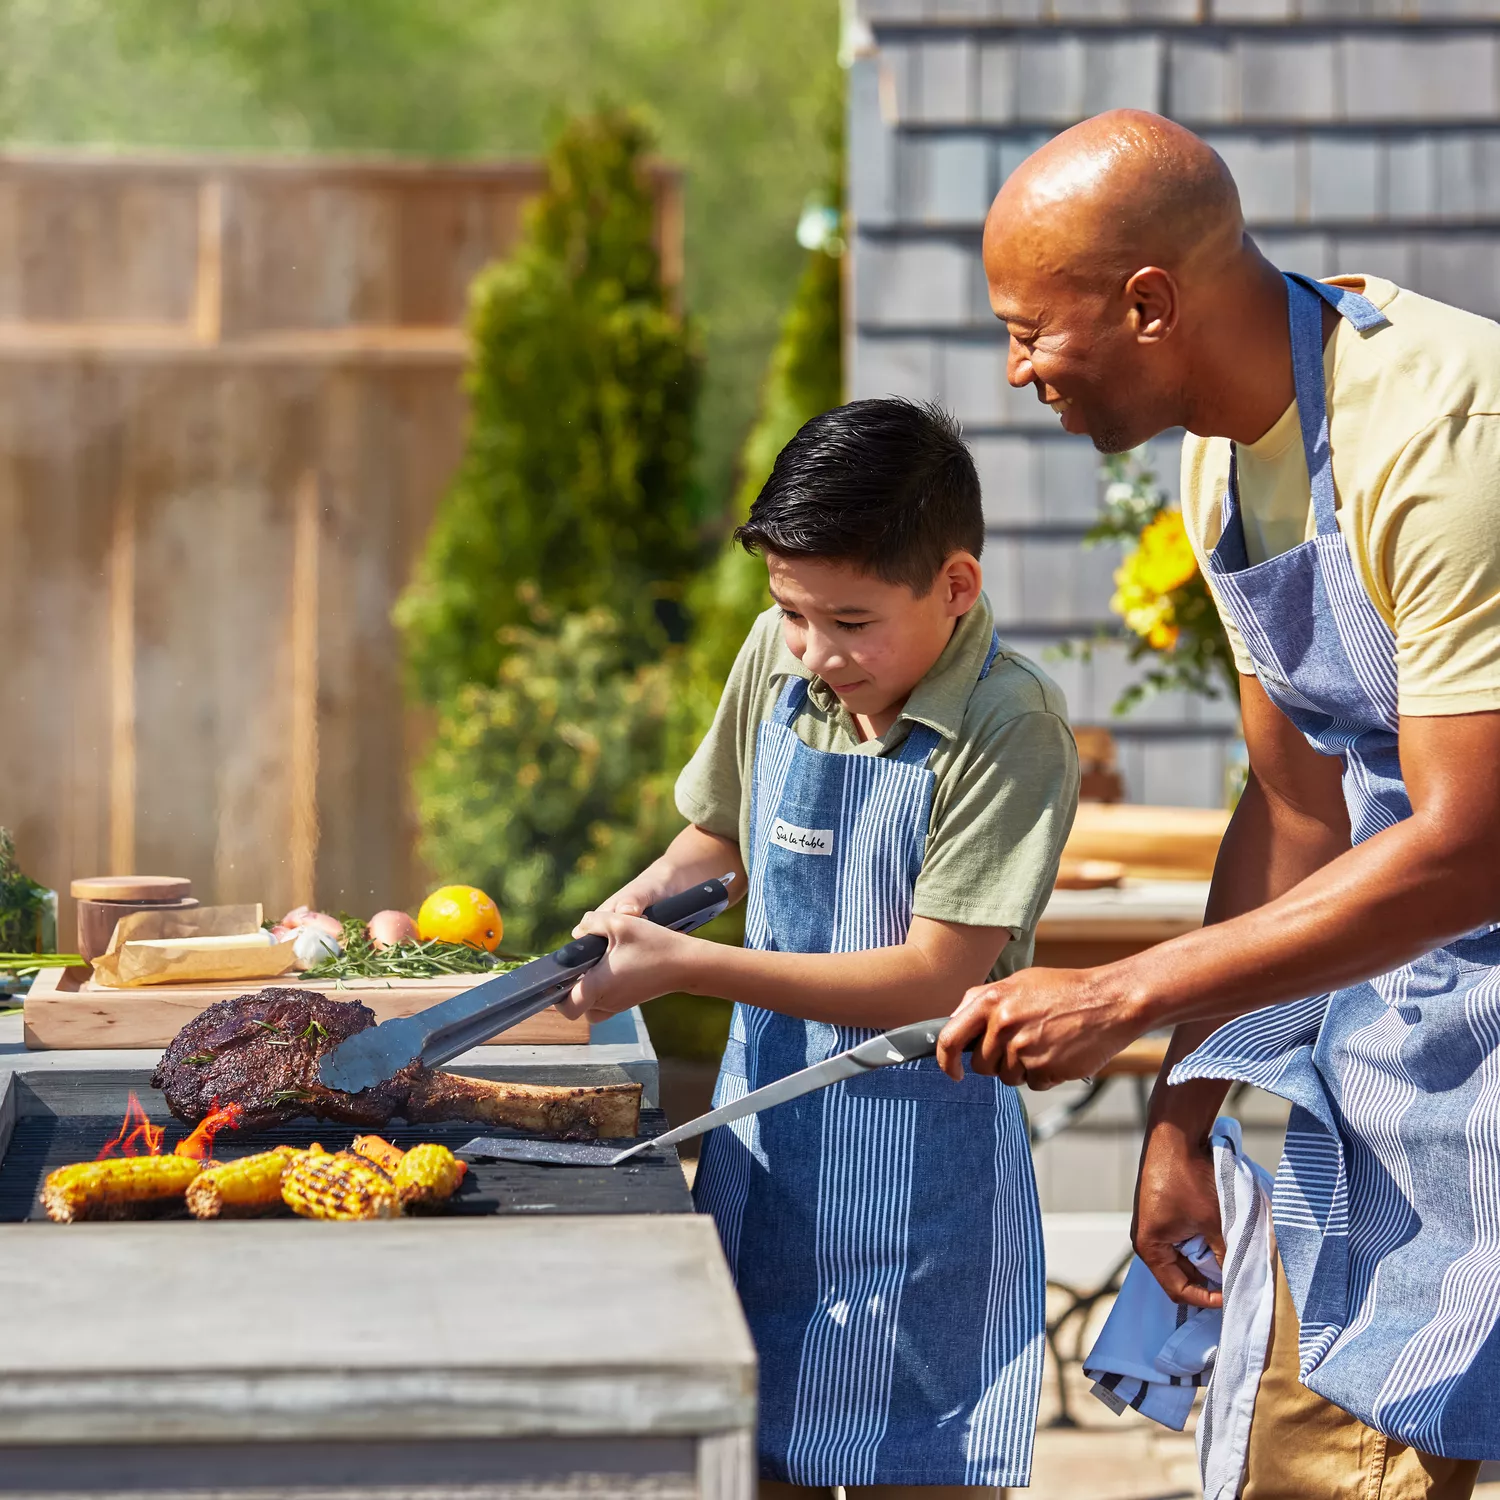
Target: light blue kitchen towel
1152 1355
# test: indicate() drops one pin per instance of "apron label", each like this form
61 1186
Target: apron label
801 840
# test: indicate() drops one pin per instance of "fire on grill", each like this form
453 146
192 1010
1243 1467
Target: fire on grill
251 1063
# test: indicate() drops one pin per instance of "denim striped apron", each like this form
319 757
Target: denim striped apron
884 1233
1387 1203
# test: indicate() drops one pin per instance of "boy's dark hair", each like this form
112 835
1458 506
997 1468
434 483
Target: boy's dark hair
888 485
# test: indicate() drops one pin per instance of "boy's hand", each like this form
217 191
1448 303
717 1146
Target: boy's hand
1039 1027
632 899
643 961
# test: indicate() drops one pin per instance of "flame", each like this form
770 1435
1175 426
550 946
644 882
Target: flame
137 1137
200 1143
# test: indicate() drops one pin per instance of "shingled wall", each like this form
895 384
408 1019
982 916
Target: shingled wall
1364 135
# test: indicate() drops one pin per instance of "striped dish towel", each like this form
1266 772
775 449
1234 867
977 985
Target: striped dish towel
1152 1354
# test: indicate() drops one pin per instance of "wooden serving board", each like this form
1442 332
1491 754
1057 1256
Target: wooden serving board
64 1012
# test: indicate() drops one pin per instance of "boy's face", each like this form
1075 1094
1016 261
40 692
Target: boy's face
871 641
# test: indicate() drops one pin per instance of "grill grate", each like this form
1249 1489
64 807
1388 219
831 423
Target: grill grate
650 1185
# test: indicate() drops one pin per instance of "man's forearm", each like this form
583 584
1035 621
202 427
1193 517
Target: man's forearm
1268 849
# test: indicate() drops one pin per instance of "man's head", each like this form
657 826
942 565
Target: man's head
1104 253
871 527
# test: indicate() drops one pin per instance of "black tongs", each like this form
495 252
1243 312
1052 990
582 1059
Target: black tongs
442 1031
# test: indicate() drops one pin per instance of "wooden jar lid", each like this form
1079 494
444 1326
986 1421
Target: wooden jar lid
131 888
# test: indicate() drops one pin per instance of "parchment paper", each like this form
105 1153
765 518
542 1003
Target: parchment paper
125 964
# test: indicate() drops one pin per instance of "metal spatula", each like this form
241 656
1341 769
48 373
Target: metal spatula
442 1031
904 1044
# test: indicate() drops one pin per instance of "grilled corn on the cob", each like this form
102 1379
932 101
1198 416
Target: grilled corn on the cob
428 1175
380 1151
235 1188
113 1189
344 1186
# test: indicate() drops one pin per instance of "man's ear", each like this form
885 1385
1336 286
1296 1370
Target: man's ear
961 580
1153 304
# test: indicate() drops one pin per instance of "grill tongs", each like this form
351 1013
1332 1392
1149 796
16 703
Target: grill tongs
439 1033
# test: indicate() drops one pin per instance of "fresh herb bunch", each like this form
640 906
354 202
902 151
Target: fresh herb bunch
21 901
361 959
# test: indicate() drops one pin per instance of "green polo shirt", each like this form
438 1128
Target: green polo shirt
1006 771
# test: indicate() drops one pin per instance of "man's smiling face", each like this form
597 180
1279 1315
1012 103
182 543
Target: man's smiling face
1070 343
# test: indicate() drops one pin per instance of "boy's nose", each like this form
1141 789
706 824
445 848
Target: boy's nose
821 655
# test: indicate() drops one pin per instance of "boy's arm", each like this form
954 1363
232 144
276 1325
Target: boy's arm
694 856
882 987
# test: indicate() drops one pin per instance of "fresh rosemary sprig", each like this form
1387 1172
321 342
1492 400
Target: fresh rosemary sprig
361 959
291 1096
200 1059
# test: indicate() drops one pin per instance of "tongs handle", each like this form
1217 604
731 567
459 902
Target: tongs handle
682 912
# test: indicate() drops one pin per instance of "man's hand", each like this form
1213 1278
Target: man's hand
643 961
1040 1027
1175 1199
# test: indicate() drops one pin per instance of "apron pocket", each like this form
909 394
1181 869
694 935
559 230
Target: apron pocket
924 1081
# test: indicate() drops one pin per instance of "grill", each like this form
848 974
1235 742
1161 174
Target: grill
66 1118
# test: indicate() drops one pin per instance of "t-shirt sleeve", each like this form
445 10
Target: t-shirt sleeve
711 788
1435 541
998 827
1205 473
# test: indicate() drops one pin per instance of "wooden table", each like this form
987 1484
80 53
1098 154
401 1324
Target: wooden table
1082 928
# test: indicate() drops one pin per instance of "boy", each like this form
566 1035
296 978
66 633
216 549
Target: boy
898 788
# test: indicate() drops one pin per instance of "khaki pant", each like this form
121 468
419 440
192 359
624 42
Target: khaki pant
1305 1448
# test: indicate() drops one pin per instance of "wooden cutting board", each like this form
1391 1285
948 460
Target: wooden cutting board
61 1014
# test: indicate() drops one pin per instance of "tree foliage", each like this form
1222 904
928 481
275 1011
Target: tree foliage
545 787
577 478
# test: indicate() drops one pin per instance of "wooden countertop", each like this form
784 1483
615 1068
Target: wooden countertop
1146 911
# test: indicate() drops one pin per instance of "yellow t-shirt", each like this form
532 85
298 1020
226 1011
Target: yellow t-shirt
1414 424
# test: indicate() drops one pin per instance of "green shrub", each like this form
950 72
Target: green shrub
547 789
576 480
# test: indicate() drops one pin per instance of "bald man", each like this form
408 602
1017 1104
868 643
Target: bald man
1341 485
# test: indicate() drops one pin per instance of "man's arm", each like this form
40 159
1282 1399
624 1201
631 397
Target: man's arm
1290 822
1402 892
883 987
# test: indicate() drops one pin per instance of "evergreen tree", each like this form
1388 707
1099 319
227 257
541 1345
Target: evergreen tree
576 484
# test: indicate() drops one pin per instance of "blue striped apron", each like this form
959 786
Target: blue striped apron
884 1233
1387 1203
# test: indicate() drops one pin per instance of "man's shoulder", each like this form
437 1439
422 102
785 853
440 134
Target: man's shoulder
1015 688
1429 359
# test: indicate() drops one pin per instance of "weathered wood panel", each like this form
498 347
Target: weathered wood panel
229 402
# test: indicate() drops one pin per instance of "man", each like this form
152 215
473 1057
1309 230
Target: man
1351 919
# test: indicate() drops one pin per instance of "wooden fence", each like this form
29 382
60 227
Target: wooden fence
229 402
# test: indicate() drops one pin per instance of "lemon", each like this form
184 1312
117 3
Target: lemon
461 914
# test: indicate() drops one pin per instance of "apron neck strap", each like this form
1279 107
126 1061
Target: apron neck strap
990 655
1305 298
789 704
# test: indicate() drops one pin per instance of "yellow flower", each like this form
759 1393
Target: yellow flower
1164 560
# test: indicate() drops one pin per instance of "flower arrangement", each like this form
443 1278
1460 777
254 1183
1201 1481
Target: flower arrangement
1160 594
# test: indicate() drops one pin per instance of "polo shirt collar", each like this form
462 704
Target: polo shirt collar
940 699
